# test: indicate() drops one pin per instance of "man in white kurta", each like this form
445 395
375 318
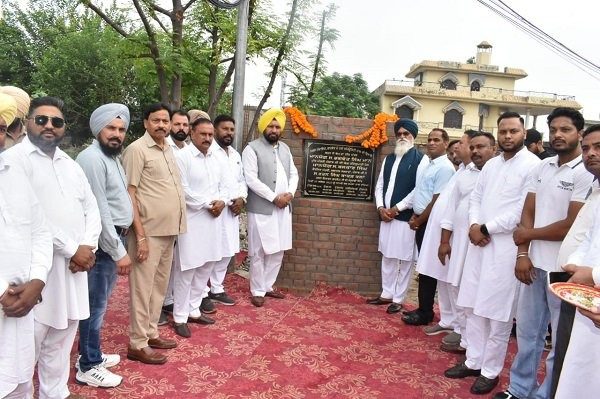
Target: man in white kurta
579 374
231 164
272 179
25 260
74 219
488 284
454 239
180 128
428 262
204 185
399 173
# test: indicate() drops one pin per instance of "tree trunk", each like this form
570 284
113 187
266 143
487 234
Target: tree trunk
278 60
177 41
317 58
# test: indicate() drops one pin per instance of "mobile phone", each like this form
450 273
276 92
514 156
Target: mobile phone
559 277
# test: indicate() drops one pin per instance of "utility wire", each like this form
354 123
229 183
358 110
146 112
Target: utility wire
500 8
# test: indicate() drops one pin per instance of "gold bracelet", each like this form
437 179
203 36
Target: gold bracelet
523 255
141 239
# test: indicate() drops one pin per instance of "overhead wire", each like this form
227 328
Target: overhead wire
510 15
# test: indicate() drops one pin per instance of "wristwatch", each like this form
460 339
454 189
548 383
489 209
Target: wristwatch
484 230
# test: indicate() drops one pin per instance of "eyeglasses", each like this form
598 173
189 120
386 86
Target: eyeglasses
42 120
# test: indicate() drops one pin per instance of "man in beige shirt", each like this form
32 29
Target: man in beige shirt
154 185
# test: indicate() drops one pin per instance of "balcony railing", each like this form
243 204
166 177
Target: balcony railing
483 92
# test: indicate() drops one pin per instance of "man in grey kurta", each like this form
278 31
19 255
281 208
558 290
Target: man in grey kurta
106 176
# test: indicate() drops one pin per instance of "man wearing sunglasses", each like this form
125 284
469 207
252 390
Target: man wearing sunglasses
74 219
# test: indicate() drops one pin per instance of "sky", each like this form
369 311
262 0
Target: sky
382 38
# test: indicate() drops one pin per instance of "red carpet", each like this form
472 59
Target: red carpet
329 344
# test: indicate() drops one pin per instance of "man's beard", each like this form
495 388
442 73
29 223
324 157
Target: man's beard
402 147
179 136
44 144
110 151
272 138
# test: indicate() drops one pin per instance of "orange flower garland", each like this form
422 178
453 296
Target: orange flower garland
376 135
299 122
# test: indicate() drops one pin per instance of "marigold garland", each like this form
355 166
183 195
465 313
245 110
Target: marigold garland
299 122
376 135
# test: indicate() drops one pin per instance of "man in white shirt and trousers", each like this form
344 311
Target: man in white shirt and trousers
272 179
74 219
204 184
231 163
488 286
25 261
557 191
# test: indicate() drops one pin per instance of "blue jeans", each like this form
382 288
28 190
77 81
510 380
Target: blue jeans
101 281
537 306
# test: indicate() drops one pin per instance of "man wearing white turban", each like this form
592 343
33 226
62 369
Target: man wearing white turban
8 110
106 176
272 179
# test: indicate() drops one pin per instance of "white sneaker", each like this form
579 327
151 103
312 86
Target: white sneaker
108 361
98 376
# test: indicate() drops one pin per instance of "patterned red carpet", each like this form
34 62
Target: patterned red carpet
329 344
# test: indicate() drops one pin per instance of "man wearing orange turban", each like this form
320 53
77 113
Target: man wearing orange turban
272 179
8 111
16 130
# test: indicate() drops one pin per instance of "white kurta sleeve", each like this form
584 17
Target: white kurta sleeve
475 198
41 244
242 191
379 187
447 221
293 182
193 199
249 161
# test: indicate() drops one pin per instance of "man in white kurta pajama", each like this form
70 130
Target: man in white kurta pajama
25 260
74 219
272 179
204 185
231 164
399 173
488 284
454 240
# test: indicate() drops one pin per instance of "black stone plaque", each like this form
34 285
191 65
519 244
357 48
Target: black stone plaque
334 169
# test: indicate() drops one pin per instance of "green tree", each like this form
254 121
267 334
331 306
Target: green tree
338 95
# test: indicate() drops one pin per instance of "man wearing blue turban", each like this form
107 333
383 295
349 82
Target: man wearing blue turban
99 161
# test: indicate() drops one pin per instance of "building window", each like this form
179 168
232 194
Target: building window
405 112
475 86
453 119
448 84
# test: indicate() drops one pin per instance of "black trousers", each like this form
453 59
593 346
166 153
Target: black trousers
563 336
427 285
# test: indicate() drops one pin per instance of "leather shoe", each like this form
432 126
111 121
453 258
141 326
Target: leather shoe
205 320
417 318
257 301
146 355
461 371
207 306
275 294
379 301
484 385
394 308
162 343
182 330
453 348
